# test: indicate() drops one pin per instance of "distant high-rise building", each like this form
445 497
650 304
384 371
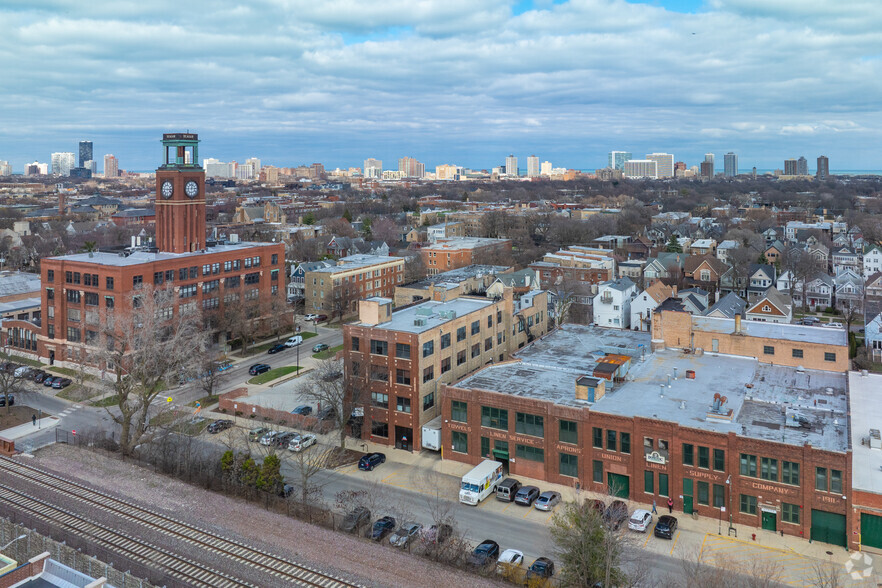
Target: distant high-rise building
373 168
214 168
5 168
664 164
37 169
617 159
709 157
245 172
681 166
790 167
511 166
802 166
85 153
317 171
545 168
270 175
92 166
707 169
533 167
823 167
254 163
641 168
411 168
730 163
447 172
62 163
111 166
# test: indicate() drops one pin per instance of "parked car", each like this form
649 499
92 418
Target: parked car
256 433
370 461
507 490
258 368
640 520
382 527
301 443
547 500
269 438
284 439
326 414
11 400
286 490
835 325
355 519
23 371
542 568
48 381
404 534
615 514
665 527
219 425
294 341
437 533
39 376
60 383
526 495
310 317
276 348
510 558
486 552
321 318
319 347
303 409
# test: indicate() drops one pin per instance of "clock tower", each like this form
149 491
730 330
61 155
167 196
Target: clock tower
180 195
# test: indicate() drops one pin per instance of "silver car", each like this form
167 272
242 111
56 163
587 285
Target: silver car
405 532
547 500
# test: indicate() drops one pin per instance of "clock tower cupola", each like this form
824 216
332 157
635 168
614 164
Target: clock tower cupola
180 195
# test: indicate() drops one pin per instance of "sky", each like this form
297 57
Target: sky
461 82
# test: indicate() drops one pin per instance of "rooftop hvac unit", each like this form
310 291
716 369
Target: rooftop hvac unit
419 321
875 439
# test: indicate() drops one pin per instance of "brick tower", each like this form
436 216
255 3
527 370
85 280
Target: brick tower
180 195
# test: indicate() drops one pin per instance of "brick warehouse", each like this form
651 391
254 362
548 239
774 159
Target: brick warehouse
772 453
81 290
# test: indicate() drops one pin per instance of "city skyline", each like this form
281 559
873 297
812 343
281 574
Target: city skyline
293 84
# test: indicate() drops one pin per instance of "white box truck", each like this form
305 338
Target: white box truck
432 434
481 482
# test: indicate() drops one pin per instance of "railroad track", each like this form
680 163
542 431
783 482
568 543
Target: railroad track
241 553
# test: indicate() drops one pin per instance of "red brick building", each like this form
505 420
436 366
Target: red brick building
455 252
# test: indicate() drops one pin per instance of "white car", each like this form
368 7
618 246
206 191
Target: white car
835 325
310 317
508 559
269 437
640 520
302 442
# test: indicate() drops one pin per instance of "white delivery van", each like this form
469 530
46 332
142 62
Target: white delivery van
481 482
294 341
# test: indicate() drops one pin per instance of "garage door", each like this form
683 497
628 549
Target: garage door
828 527
619 486
871 530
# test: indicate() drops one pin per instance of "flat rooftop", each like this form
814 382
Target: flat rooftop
866 414
459 275
774 403
143 257
464 243
799 333
359 260
432 313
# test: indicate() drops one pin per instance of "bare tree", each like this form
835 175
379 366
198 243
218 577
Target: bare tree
802 267
10 383
337 396
740 259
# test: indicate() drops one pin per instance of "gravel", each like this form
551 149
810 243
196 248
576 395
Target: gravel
351 558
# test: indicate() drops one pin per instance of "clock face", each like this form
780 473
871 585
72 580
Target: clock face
191 189
167 189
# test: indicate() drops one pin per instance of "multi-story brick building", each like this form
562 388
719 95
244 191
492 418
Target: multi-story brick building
583 265
338 288
472 279
455 252
396 361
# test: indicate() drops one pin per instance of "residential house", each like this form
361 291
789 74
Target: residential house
818 250
771 307
632 269
297 283
725 247
694 300
346 246
703 247
758 279
445 230
521 282
849 289
845 258
646 302
704 271
774 252
417 235
872 259
873 327
134 216
873 286
819 291
729 306
639 247
612 303
667 267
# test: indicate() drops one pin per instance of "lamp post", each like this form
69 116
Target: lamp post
729 491
13 541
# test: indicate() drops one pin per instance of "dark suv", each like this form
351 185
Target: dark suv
526 495
11 400
370 461
258 368
219 425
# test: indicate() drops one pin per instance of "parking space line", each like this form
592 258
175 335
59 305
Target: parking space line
677 538
648 533
506 507
529 510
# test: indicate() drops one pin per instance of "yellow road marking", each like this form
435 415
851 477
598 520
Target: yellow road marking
506 507
648 533
677 538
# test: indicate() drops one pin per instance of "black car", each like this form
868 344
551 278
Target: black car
485 553
219 425
11 400
303 409
60 383
665 527
370 461
616 514
38 375
382 527
258 368
283 439
276 348
327 413
355 519
526 495
542 568
286 490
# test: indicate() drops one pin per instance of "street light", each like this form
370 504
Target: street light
729 491
13 541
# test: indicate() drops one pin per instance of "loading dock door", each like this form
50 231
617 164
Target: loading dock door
828 527
871 530
619 485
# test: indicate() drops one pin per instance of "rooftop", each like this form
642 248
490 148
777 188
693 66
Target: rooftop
432 314
359 260
866 415
799 333
464 243
15 283
459 275
143 257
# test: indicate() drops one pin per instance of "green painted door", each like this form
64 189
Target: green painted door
770 521
871 530
619 485
687 496
828 527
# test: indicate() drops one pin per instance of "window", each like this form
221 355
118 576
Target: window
495 418
73 334
703 493
719 460
402 404
355 343
489 321
625 442
76 277
428 401
703 457
790 473
461 334
488 343
790 513
836 481
797 353
137 281
379 347
274 275
719 496
748 504
108 301
476 327
231 282
460 442
748 465
530 453
428 348
459 411
460 357
158 278
275 258
379 429
50 293
768 350
829 356
769 469
529 424
68 277
476 350
379 400
597 471
252 278
187 291
445 365
51 331
73 296
379 373
611 440
210 285
445 340
688 455
73 314
662 484
648 482
50 275
402 377
568 432
569 465
821 479
402 351
210 303
194 272
429 374
597 437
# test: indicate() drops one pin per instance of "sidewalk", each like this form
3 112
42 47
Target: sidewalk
26 429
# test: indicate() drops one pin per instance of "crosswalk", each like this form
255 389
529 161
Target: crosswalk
69 410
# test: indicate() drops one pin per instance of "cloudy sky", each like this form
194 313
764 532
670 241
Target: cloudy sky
446 81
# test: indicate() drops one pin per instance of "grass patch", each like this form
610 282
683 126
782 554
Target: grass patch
107 401
77 393
273 374
205 401
21 360
328 353
71 373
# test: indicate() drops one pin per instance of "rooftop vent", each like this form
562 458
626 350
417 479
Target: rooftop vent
875 439
419 321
